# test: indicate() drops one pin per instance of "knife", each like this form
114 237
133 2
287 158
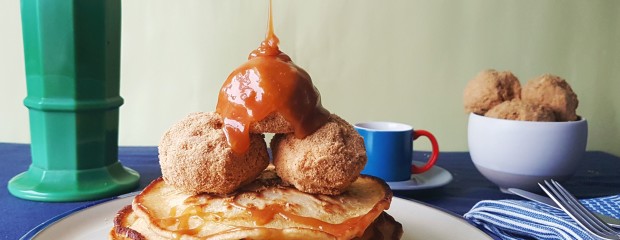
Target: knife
549 202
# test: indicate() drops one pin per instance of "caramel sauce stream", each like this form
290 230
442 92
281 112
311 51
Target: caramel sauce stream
269 82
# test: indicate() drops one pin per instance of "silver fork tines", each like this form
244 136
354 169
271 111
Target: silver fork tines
577 211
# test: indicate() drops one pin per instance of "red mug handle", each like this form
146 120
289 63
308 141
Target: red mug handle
433 158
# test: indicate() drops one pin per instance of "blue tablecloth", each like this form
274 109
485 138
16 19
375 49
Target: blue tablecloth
599 176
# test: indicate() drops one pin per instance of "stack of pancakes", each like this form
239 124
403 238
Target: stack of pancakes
266 207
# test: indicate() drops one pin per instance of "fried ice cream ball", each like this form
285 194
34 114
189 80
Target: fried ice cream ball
555 93
325 162
195 156
522 111
490 88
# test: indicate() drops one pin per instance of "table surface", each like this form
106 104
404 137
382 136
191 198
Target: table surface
598 176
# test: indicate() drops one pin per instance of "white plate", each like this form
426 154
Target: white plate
422 221
419 220
434 177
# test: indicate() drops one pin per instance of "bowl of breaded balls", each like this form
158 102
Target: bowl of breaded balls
518 135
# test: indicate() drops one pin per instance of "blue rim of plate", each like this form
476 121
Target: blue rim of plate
39 228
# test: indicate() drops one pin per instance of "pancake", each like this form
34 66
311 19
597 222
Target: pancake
130 227
267 208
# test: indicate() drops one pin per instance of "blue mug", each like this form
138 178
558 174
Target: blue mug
389 147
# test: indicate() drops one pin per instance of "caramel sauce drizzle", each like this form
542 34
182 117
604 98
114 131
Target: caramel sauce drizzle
268 82
182 221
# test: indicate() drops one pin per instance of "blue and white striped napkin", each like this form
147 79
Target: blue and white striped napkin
522 219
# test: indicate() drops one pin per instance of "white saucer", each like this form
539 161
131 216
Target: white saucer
435 177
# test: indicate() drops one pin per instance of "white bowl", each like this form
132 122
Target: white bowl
519 154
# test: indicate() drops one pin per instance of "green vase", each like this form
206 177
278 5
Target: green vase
72 54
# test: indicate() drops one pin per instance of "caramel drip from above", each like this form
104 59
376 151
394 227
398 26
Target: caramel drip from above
268 82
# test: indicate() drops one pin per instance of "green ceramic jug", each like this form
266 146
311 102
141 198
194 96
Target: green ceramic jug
72 54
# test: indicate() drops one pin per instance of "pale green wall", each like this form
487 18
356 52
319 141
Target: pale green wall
405 61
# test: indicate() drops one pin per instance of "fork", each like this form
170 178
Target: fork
577 211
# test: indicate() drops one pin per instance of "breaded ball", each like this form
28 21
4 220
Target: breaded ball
555 93
273 123
195 156
490 88
522 111
325 162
